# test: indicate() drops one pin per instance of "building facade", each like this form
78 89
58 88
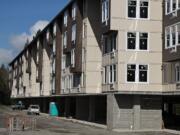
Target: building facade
103 61
171 61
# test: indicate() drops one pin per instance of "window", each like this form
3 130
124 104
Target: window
73 33
138 8
37 72
53 85
37 57
110 43
131 40
84 30
137 41
65 19
105 10
131 73
74 11
143 41
38 45
63 62
73 57
143 73
76 80
105 75
53 66
143 9
132 8
65 39
168 9
112 74
172 6
172 36
177 72
54 46
137 73
63 83
54 29
109 74
167 33
178 33
47 35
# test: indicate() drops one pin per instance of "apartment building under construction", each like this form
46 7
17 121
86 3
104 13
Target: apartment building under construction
114 62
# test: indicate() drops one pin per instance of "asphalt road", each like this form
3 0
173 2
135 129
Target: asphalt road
52 126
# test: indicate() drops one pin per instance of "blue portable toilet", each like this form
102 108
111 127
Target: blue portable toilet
53 109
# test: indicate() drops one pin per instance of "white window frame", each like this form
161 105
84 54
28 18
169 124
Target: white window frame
37 72
111 73
137 74
105 10
47 35
171 6
176 35
65 19
105 74
63 62
138 10
53 84
65 39
53 66
73 38
137 45
63 83
55 29
74 11
73 57
54 46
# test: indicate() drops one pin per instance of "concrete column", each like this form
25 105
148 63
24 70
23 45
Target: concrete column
110 111
91 109
137 112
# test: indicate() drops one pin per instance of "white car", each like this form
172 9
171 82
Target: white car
34 109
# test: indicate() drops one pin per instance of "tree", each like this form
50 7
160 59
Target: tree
4 88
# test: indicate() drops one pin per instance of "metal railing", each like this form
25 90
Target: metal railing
17 123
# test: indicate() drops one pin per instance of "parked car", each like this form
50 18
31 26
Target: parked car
33 109
18 106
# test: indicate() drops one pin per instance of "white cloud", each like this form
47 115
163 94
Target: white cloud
18 41
5 56
38 25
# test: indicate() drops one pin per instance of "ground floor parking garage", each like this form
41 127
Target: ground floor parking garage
116 110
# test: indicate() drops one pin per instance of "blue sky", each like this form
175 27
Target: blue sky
19 20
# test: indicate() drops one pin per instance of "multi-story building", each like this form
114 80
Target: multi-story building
100 61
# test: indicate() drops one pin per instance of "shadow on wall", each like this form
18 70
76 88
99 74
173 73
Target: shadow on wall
95 21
